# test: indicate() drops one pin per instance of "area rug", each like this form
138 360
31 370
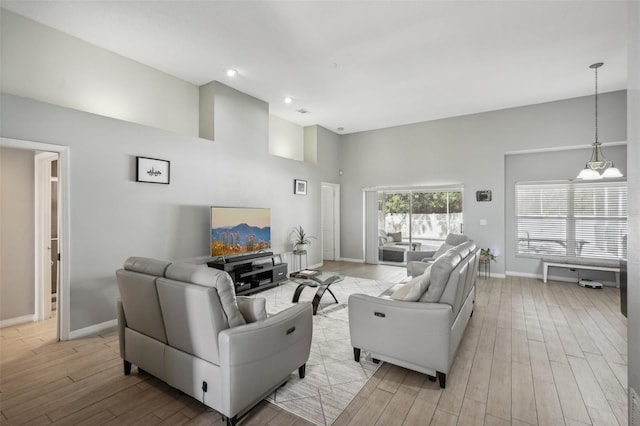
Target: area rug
332 378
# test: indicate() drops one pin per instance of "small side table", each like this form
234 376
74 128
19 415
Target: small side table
298 254
484 267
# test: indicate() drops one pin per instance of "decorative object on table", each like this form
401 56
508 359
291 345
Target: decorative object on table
483 195
277 260
300 187
486 255
301 239
152 170
485 262
597 161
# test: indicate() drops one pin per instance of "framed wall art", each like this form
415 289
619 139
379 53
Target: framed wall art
300 187
152 170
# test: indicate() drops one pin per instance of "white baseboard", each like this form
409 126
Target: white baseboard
493 275
346 259
523 274
18 320
93 329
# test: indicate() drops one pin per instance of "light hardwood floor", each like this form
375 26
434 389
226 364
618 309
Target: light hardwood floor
532 354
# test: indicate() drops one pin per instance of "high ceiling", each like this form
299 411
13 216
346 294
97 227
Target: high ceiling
361 65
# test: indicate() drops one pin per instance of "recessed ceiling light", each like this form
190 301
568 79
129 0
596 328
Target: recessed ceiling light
288 100
231 72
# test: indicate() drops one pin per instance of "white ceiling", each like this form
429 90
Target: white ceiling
364 65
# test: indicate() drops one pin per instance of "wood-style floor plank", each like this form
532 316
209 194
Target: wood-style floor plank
532 354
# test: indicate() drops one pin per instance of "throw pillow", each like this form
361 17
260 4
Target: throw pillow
252 309
397 236
414 289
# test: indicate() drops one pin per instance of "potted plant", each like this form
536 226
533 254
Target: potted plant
301 239
486 255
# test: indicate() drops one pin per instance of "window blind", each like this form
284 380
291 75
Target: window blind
572 219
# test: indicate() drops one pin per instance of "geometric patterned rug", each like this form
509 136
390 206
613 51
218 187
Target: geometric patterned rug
332 377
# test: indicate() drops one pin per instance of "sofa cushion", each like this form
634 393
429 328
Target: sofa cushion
396 236
252 308
440 272
414 289
442 250
456 239
147 266
210 277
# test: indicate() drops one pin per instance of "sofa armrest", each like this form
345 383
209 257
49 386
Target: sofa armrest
122 324
255 358
416 332
419 255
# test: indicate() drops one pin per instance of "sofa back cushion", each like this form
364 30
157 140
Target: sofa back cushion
137 286
210 277
456 239
458 286
193 317
440 272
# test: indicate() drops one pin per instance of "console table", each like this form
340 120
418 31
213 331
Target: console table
252 272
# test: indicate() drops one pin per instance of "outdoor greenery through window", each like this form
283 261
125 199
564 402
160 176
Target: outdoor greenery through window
421 216
585 219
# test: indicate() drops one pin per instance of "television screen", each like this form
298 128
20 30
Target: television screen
237 230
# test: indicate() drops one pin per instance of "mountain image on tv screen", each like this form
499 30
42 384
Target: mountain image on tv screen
239 230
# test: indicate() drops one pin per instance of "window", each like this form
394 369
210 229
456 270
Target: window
424 216
572 219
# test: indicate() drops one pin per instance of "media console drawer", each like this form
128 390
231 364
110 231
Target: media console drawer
279 272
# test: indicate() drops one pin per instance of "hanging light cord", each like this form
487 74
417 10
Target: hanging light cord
596 116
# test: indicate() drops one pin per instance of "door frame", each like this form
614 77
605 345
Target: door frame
43 194
64 242
336 217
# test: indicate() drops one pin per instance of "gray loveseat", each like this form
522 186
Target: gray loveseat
183 324
419 325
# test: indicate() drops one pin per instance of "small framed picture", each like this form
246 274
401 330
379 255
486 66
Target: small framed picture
483 195
300 187
152 170
277 260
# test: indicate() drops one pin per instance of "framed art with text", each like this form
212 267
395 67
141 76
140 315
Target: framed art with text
152 170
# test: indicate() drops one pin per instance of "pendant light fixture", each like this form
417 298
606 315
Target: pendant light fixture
597 161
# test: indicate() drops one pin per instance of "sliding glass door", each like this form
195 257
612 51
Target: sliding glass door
416 220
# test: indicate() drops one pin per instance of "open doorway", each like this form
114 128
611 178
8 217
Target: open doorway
51 231
330 221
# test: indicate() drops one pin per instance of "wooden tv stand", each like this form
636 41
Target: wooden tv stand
253 272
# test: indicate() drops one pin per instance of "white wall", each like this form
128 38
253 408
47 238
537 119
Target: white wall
286 139
469 150
17 253
114 217
41 63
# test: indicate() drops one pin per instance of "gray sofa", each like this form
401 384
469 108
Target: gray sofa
418 261
183 324
419 325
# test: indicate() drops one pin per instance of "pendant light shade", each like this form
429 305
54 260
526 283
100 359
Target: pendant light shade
597 161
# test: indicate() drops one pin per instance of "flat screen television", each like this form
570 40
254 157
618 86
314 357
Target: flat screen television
238 230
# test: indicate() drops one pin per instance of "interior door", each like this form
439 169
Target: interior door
328 223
